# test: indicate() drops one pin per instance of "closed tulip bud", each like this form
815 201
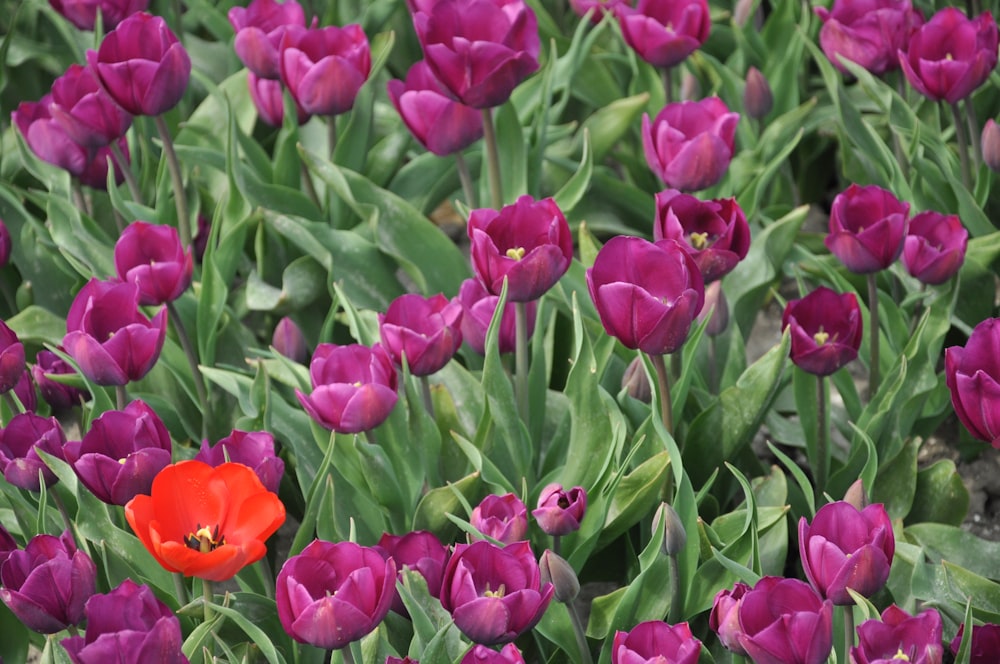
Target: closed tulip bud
427 331
397 660
674 535
324 68
717 307
990 144
934 247
58 395
48 139
867 32
478 307
268 97
857 496
83 13
24 434
560 511
253 449
557 571
420 551
259 28
5 244
690 143
972 374
985 643
867 228
898 636
757 97
826 330
12 362
714 232
600 7
480 654
656 641
636 382
288 340
784 621
504 518
664 34
152 257
724 619
88 115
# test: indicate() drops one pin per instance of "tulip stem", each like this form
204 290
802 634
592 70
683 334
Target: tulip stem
873 372
521 360
310 188
348 655
974 132
822 437
493 159
331 135
179 589
963 145
668 84
78 198
848 631
13 401
177 179
425 393
663 389
208 592
121 396
466 179
126 169
192 358
581 636
676 592
61 506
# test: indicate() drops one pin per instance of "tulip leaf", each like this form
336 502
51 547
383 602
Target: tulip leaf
14 644
942 542
940 495
255 633
573 190
557 626
635 495
433 509
512 152
895 484
38 325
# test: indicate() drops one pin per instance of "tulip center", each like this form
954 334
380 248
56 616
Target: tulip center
563 503
698 240
517 253
204 539
821 337
499 592
900 655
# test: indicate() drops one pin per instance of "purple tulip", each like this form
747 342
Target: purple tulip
324 68
152 257
847 548
480 50
717 307
47 583
58 395
6 244
867 32
655 641
254 449
950 55
332 594
83 13
867 228
973 377
7 544
989 142
934 248
110 339
268 97
724 619
600 7
758 100
714 232
439 123
427 330
560 511
422 552
690 143
400 660
900 637
478 307
494 594
663 32
259 29
129 619
25 392
95 173
288 340
11 358
646 294
480 654
354 387
142 65
556 570
528 243
784 621
504 518
48 139
985 643
88 115
19 440
826 330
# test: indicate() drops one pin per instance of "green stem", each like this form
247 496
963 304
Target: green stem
73 631
581 635
192 358
848 631
974 133
713 380
61 506
668 84
126 168
873 333
13 401
179 589
963 146
521 360
663 389
79 200
676 595
492 159
331 135
822 436
308 185
348 655
119 221
121 397
177 179
425 393
556 544
466 178
208 592
897 145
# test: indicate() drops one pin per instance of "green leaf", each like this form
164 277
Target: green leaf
255 633
941 496
573 190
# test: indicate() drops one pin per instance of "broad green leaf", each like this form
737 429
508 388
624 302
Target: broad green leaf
940 496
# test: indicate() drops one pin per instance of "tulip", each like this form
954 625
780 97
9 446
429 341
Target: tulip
655 641
972 373
24 434
11 358
715 232
504 518
268 97
494 594
422 552
95 172
528 243
151 256
47 138
717 307
847 548
110 339
332 594
724 619
439 123
636 382
674 535
259 29
122 452
205 522
58 395
784 621
6 244
83 13
400 660
427 331
646 294
559 511
47 583
480 50
757 97
7 544
556 570
324 68
254 449
142 65
900 637
985 643
129 619
826 330
25 392
480 654
288 340
600 7
690 143
990 145
950 55
478 307
934 248
88 115
665 33
867 228
867 32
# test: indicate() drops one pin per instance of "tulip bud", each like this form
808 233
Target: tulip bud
560 511
724 619
11 358
636 381
857 496
289 340
674 535
717 307
557 571
991 145
5 244
757 97
504 518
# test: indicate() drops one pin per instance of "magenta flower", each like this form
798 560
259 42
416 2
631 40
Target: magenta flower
25 391
784 621
716 306
724 619
845 547
655 641
7 544
898 636
332 594
985 643
108 337
324 68
867 32
121 453
867 228
972 373
152 257
6 244
950 55
480 654
560 511
58 395
83 13
439 123
826 330
494 594
288 340
47 583
528 243
24 434
142 65
714 232
354 387
504 518
934 248
478 307
88 115
422 552
690 143
480 50
758 100
268 97
646 294
259 29
12 361
254 449
665 33
989 142
48 139
600 7
427 330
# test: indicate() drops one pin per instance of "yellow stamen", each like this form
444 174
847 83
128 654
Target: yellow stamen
699 240
900 655
821 337
516 253
499 592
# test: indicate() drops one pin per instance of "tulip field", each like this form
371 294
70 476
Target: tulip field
381 331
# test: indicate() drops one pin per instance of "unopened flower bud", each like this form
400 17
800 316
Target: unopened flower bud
757 97
289 340
674 535
717 307
991 145
857 496
5 244
557 571
636 382
690 88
